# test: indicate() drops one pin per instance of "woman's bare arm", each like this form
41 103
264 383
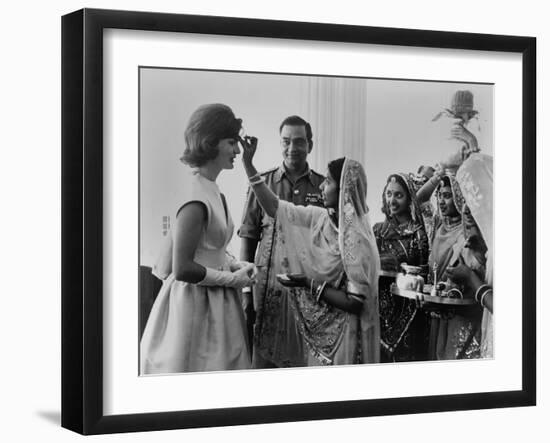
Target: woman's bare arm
188 229
335 297
342 300
426 191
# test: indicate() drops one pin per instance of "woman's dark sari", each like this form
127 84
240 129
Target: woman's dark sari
403 327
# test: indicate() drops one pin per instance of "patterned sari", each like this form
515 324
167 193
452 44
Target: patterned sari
455 333
403 327
475 177
344 256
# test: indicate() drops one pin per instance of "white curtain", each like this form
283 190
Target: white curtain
336 109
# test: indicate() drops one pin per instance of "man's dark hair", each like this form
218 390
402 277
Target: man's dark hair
295 120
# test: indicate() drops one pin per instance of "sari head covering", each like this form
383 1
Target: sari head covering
407 182
343 255
458 198
475 177
358 249
448 237
356 238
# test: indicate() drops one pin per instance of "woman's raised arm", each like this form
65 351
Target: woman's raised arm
426 191
267 199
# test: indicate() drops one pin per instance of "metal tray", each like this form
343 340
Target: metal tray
427 298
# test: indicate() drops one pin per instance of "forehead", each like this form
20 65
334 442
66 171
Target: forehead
289 131
445 189
394 186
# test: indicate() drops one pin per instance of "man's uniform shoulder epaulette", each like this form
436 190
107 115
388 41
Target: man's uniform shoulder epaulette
270 171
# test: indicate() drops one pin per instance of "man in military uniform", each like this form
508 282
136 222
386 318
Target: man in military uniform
277 340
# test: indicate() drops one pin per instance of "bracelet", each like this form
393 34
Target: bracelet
320 290
476 296
483 296
453 290
257 181
253 177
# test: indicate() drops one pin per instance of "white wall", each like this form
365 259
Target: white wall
30 234
168 98
385 124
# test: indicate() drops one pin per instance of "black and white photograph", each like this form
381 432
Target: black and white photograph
275 221
291 221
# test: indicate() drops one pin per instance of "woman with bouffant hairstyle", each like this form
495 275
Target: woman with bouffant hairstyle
207 126
197 322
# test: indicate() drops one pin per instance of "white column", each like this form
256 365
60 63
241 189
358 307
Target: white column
336 109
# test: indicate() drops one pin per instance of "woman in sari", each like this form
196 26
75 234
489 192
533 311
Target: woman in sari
331 263
475 177
401 238
454 332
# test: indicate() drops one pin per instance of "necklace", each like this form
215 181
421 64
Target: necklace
452 222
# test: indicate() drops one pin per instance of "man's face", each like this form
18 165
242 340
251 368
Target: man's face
295 146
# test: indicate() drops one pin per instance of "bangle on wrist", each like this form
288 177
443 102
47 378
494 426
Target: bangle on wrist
256 181
254 177
478 292
482 298
319 291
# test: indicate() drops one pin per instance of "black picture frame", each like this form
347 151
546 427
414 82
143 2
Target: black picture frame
82 231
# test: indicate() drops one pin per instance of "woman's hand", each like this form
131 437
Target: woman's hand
296 281
244 276
460 274
463 275
236 265
459 132
249 145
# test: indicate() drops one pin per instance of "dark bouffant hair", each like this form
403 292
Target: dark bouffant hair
295 120
335 168
207 126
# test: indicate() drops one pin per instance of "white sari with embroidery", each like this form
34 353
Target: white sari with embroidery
345 257
475 177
